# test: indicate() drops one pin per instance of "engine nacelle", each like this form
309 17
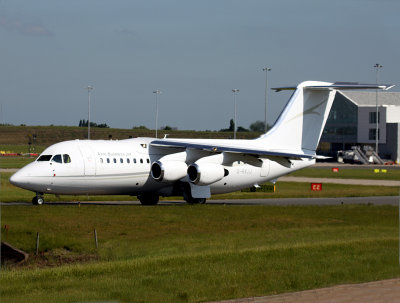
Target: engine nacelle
206 173
168 171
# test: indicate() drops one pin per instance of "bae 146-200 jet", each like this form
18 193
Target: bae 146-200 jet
193 168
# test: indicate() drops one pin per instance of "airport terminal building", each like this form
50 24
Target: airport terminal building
352 122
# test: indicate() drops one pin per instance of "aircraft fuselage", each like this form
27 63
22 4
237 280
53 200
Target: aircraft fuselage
100 167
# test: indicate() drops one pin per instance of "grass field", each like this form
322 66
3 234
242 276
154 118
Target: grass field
47 135
196 253
15 138
361 172
15 162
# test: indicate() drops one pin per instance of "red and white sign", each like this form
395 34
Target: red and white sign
316 186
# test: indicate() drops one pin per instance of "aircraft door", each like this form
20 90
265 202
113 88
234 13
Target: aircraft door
88 159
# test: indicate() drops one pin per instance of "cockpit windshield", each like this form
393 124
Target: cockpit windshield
65 158
44 158
57 159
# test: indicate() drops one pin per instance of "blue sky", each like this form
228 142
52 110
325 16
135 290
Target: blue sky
195 52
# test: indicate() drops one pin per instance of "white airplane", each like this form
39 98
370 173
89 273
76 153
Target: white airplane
193 168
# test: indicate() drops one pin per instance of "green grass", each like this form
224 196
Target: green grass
363 172
47 135
196 253
15 162
15 138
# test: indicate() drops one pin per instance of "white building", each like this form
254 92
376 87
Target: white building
352 121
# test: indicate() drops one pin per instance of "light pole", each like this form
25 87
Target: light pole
266 70
89 89
157 92
377 67
235 90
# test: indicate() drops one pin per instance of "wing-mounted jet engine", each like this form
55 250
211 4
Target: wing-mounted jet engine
206 173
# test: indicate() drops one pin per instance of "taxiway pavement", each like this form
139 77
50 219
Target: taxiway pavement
385 291
377 200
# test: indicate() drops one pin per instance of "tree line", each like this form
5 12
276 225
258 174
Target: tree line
257 126
84 123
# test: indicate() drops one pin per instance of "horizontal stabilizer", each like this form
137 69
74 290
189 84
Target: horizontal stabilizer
339 86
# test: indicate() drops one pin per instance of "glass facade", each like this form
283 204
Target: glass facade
341 126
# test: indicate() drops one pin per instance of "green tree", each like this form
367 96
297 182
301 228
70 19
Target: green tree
257 126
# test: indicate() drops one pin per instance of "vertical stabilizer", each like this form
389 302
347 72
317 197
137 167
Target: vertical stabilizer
300 125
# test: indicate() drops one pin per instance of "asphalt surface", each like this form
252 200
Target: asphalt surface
378 200
386 291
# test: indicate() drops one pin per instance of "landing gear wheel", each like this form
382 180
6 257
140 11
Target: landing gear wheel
202 200
196 200
148 199
37 200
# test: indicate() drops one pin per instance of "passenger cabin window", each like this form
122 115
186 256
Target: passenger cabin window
148 161
115 160
101 160
57 159
127 160
67 159
108 160
134 160
121 160
44 158
141 160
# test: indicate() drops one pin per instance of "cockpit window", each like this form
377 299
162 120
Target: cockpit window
44 158
67 159
57 158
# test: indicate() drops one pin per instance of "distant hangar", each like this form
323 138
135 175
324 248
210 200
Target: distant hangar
352 122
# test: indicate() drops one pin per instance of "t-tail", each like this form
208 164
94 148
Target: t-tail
299 127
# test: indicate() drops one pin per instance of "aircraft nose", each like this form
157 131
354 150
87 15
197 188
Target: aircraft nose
17 178
21 178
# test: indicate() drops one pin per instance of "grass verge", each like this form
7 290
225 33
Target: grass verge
363 172
196 253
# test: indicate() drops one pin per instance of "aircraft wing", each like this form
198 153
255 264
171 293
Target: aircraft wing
218 146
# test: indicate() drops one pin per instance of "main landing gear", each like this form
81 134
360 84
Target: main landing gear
196 200
38 200
149 199
187 195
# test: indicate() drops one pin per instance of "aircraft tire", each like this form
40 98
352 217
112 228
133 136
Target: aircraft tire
149 199
196 200
37 200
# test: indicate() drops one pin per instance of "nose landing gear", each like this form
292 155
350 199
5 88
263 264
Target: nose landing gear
38 200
